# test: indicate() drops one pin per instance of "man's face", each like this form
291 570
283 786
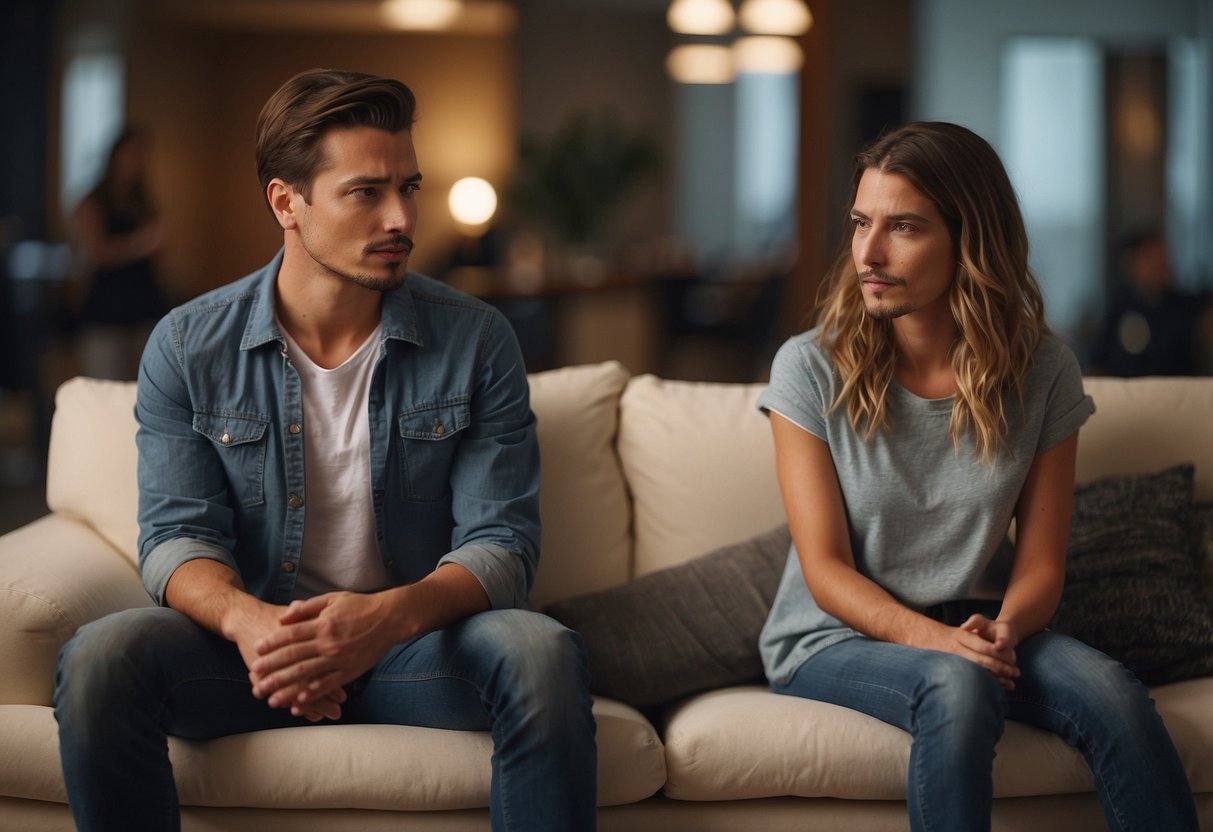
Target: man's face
360 222
901 247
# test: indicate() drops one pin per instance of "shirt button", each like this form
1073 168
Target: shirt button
295 501
288 567
439 428
226 439
294 427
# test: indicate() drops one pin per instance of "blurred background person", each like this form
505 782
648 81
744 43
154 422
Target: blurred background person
1150 328
117 235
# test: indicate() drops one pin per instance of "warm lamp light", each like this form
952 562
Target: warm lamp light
767 55
700 17
429 15
472 201
775 17
701 63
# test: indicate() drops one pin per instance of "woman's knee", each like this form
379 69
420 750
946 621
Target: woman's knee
962 694
1076 679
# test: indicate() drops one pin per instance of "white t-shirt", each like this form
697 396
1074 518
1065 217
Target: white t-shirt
339 547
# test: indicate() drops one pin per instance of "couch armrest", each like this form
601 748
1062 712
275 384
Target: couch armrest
55 574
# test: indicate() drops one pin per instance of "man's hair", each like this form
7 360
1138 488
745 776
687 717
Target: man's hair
294 119
994 298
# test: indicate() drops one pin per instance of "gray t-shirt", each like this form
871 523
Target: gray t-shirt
928 519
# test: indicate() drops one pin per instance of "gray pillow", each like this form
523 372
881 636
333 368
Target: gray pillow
1133 587
684 629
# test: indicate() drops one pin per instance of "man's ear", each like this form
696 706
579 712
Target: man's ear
281 199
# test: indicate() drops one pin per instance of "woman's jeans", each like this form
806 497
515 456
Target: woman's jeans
129 680
954 711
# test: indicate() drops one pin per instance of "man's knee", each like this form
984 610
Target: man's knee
101 658
536 655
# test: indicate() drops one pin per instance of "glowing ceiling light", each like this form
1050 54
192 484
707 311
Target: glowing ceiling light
701 17
472 201
769 55
701 63
775 17
430 15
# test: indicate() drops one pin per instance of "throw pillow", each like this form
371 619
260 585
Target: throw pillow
1202 528
1132 580
683 629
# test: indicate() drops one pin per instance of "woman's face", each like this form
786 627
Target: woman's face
901 247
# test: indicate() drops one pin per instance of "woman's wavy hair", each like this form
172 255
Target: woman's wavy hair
292 122
994 298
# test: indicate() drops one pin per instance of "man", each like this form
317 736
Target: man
1150 328
338 478
929 407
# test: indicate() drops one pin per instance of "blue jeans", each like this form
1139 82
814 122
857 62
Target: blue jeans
129 680
954 711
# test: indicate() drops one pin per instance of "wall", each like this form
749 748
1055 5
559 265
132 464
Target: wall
958 59
200 87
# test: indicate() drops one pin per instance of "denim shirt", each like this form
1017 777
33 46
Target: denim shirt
454 455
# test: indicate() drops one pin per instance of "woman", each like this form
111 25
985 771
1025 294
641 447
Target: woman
928 408
117 234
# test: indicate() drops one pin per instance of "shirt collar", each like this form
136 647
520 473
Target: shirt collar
398 316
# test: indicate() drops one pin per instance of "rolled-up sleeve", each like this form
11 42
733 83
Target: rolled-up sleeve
495 476
184 513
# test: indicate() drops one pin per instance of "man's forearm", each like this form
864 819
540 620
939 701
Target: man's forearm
448 594
210 594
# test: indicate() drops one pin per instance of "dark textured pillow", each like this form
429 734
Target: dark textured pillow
1202 529
684 629
1132 580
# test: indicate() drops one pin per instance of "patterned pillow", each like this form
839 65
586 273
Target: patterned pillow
1202 529
1133 587
683 629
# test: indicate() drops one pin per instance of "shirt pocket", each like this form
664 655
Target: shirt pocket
240 444
429 436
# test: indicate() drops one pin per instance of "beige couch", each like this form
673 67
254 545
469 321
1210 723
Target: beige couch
639 474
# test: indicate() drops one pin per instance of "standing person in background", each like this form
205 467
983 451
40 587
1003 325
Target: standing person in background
929 408
117 235
1150 328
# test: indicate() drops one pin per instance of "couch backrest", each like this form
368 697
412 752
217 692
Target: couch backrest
1143 425
584 503
90 472
673 468
700 465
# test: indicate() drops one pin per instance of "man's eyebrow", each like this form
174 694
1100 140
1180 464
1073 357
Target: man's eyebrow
905 215
376 180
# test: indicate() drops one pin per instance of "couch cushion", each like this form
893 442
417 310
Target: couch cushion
1142 425
1133 579
700 465
339 766
40 609
90 470
586 543
683 629
746 742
